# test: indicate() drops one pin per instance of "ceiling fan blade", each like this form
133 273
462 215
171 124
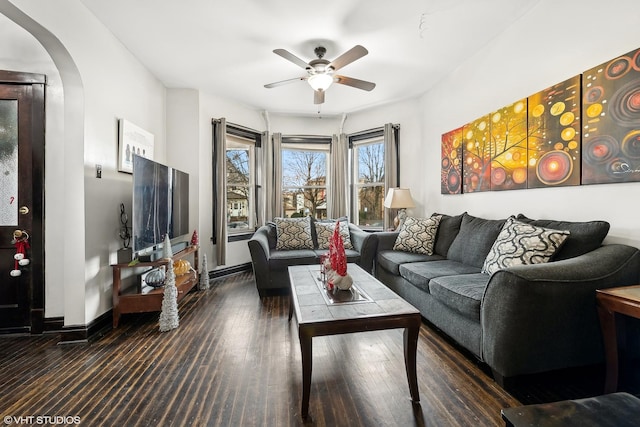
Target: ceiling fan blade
318 97
350 81
348 57
291 57
284 82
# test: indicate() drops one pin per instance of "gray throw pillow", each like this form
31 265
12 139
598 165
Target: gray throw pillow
417 235
585 236
522 244
293 233
474 240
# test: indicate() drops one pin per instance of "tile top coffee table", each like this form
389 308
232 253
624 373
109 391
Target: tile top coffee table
368 306
624 300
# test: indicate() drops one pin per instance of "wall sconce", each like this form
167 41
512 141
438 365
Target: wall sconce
400 199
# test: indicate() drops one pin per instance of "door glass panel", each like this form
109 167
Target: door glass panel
9 162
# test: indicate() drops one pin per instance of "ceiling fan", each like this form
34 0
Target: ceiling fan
320 72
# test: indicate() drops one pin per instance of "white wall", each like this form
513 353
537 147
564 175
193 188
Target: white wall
554 41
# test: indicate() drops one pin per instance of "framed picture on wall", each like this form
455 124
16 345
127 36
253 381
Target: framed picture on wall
132 140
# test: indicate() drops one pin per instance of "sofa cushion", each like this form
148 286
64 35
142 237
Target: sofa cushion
474 240
324 231
417 235
280 260
272 234
521 244
584 237
447 231
391 260
420 273
293 233
462 293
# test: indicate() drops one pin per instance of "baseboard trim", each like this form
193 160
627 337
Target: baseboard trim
76 334
228 271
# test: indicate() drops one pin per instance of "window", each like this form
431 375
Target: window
367 165
240 184
305 169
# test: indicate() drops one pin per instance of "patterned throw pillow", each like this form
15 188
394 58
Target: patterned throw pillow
417 235
324 231
521 244
293 233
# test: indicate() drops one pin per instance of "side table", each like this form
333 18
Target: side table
624 300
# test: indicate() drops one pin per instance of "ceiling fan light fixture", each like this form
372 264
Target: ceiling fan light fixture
320 81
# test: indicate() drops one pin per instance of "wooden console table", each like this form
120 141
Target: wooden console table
623 300
133 300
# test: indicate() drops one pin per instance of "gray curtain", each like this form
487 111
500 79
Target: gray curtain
220 214
339 182
277 175
264 179
391 179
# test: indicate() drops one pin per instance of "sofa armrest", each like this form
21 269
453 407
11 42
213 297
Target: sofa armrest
386 240
260 253
366 244
542 317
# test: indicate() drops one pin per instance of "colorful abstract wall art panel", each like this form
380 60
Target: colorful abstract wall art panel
611 121
509 147
451 162
554 135
476 169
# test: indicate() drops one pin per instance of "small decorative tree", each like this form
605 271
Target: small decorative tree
169 318
167 252
204 275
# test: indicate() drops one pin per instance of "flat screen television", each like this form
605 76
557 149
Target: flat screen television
160 204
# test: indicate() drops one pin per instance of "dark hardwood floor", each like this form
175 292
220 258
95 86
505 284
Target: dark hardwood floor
235 361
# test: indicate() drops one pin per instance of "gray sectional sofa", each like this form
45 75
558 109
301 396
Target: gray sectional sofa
270 265
522 319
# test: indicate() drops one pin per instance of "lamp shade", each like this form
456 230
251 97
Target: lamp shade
399 198
320 81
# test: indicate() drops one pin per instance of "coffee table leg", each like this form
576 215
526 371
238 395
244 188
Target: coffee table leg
608 325
290 307
307 356
410 350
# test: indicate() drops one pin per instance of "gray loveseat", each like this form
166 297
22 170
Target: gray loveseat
270 265
520 320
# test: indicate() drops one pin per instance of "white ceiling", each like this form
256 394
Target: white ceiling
226 47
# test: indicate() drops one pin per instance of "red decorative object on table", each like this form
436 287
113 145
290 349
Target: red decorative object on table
194 238
338 259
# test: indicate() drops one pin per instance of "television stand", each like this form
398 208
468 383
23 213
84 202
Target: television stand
135 300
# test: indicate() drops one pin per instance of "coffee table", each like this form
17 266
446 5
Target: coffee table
624 300
368 306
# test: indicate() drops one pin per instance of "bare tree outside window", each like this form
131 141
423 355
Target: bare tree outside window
304 183
238 188
369 162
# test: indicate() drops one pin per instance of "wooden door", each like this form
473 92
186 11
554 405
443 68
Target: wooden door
21 200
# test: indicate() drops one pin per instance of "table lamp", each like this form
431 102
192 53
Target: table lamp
400 199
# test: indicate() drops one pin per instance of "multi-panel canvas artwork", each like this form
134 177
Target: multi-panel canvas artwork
554 135
584 130
611 121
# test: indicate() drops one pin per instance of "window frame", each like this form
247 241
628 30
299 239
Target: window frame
309 143
248 134
370 137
